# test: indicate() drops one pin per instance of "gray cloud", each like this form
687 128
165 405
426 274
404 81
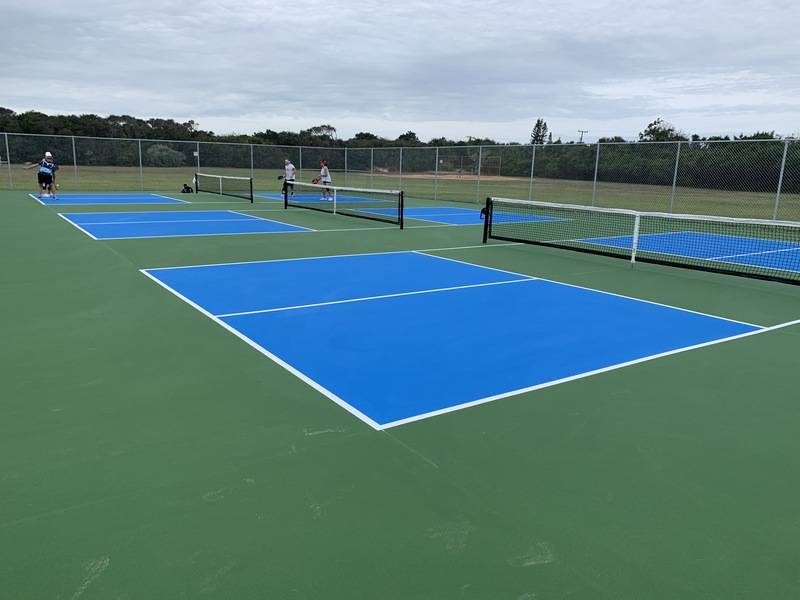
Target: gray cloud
452 69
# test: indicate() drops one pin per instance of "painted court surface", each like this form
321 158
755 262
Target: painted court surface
171 224
773 254
346 309
225 400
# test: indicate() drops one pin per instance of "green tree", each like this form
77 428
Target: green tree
366 140
443 142
364 136
539 132
409 138
661 131
325 133
473 141
758 135
9 122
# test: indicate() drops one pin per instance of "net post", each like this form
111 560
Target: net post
635 241
487 218
401 209
285 192
196 184
251 181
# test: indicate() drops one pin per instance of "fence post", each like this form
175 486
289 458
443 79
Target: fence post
780 180
141 167
675 178
480 166
596 165
596 168
533 163
75 162
400 168
436 175
8 162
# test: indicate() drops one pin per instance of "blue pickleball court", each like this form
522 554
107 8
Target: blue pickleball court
444 215
756 252
78 199
129 225
402 336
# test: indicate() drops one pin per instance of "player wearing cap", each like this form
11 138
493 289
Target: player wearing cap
46 174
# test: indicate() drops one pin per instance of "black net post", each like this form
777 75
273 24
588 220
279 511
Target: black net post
487 216
400 209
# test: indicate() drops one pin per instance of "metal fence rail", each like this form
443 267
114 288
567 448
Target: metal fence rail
741 178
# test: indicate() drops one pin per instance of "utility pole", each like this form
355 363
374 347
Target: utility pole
582 131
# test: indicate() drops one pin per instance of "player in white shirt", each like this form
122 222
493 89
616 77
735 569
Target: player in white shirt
325 177
288 179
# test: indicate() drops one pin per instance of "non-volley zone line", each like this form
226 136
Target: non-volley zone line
129 225
62 199
398 356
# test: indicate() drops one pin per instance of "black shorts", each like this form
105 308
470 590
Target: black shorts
45 178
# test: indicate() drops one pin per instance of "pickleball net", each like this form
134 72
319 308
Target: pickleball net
373 204
750 247
225 185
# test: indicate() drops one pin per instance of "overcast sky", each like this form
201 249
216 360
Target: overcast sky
439 68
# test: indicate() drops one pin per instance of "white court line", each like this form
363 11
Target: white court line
523 278
182 201
762 253
78 227
351 300
174 221
325 392
424 251
184 235
547 384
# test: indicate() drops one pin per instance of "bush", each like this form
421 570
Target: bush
163 156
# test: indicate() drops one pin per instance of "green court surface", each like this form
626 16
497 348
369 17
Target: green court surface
148 453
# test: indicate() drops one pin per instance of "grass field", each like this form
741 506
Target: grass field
444 187
149 453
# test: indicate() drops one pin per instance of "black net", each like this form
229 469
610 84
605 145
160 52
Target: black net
377 205
750 247
240 187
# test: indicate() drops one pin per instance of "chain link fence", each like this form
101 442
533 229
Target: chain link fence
743 178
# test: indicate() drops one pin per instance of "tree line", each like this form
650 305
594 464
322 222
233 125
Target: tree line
656 131
126 126
747 162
